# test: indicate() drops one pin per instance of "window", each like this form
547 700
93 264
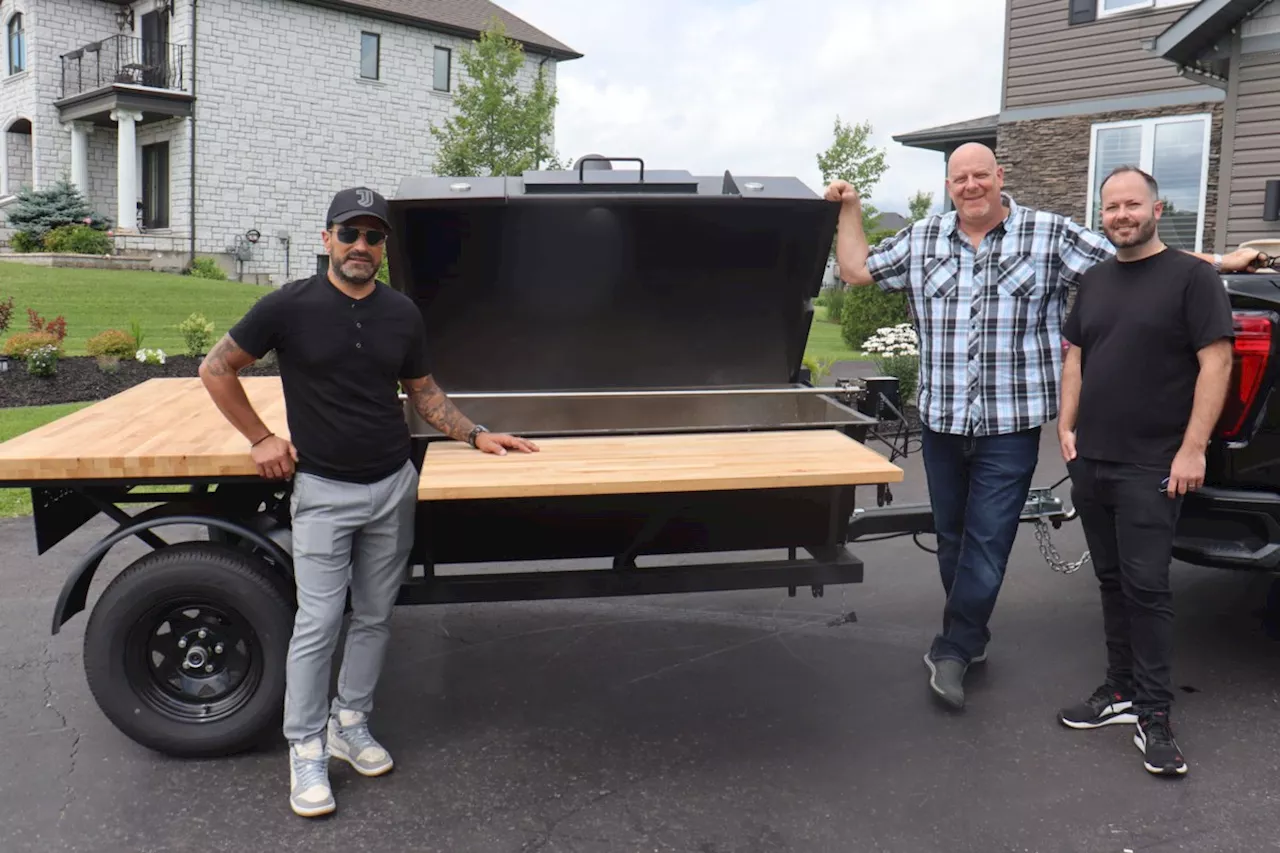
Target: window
444 58
1174 151
370 47
17 45
155 185
1116 7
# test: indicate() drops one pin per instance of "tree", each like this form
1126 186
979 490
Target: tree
498 130
851 158
918 206
37 212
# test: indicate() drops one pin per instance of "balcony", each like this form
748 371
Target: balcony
124 72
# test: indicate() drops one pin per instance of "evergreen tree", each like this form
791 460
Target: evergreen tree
37 212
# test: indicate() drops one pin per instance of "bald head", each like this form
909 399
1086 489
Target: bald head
972 155
974 182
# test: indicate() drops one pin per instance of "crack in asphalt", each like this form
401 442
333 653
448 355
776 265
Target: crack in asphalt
68 789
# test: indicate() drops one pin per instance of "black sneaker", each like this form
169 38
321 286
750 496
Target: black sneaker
1107 706
1155 739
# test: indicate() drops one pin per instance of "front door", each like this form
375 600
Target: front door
155 50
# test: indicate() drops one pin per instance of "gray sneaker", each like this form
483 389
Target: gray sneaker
349 739
946 679
309 791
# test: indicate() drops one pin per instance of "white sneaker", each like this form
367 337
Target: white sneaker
349 739
309 791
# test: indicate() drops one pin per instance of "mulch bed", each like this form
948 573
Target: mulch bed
80 379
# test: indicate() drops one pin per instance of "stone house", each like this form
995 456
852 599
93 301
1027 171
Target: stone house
222 127
1189 91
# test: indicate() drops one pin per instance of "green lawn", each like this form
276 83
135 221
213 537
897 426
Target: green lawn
15 422
825 341
95 300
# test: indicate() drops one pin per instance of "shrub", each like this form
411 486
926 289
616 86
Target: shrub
198 333
23 343
25 242
43 360
150 356
207 268
136 328
56 327
836 298
896 353
77 240
818 368
6 314
112 342
867 308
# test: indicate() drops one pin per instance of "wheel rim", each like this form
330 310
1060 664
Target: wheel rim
194 660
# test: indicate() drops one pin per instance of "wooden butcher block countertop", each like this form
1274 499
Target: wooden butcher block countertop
170 429
633 464
161 428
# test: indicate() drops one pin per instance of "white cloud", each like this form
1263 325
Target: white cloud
754 86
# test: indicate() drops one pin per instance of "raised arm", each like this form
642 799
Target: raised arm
220 373
851 240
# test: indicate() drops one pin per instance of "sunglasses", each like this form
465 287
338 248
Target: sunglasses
372 236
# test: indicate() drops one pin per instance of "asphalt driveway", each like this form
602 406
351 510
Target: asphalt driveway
709 723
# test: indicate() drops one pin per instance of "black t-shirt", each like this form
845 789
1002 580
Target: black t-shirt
1139 326
340 362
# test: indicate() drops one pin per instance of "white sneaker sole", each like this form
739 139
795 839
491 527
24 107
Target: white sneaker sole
313 811
1119 715
1157 771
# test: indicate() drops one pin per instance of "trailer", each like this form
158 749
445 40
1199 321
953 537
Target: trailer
646 328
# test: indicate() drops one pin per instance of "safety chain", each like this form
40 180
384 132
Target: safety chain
1050 553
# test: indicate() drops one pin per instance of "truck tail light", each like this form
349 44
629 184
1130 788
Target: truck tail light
1252 356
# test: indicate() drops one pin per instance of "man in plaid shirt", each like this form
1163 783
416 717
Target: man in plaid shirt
987 284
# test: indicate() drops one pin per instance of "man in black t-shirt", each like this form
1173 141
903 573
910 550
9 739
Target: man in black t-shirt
344 342
1143 385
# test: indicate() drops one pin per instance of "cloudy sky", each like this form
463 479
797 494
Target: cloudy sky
754 86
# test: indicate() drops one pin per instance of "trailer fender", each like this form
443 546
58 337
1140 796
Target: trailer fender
75 592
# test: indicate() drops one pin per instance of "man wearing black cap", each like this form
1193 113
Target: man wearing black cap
344 342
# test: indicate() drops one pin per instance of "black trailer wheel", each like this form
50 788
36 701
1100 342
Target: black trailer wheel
185 650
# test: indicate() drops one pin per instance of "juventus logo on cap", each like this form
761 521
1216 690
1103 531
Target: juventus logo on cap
365 197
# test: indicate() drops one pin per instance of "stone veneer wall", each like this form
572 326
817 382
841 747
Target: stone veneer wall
1046 161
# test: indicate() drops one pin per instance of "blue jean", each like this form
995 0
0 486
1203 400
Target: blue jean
977 487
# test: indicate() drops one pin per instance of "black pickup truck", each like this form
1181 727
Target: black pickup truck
1233 521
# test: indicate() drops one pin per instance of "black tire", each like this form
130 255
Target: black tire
233 697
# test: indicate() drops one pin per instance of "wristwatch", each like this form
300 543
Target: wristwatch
1217 262
475 431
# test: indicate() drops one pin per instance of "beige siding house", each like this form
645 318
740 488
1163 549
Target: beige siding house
1188 90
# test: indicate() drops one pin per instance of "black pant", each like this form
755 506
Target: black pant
1128 524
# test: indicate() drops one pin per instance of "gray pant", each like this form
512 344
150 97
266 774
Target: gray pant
344 533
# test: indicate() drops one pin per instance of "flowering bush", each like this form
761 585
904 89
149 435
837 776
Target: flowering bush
150 356
896 353
43 360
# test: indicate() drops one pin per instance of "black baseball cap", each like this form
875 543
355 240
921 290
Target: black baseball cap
359 201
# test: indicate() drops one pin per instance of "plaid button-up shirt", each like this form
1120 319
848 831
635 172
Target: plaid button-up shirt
989 318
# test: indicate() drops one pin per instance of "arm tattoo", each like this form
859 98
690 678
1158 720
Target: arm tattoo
430 402
216 360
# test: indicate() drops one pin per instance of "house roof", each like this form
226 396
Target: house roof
1187 38
947 135
466 18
